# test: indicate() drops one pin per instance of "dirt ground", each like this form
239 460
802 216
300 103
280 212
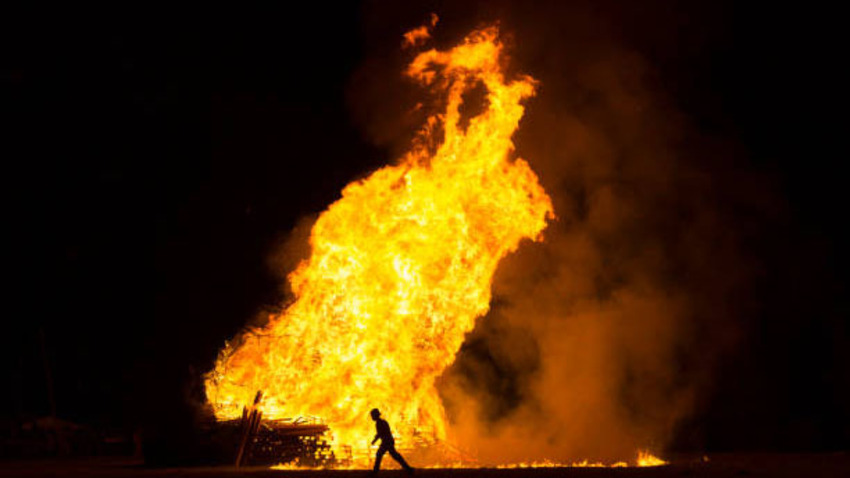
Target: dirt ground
715 465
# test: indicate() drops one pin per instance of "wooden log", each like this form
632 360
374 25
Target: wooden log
243 440
249 428
257 421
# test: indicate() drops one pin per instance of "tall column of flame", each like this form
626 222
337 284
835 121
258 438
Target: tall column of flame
400 267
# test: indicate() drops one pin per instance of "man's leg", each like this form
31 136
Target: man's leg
400 459
378 456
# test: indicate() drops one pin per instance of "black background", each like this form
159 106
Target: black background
153 159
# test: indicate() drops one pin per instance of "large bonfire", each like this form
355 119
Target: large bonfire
400 267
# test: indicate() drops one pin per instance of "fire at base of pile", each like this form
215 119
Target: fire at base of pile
306 444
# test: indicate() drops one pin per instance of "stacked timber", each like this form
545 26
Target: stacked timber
300 442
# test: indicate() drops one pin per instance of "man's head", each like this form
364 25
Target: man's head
375 414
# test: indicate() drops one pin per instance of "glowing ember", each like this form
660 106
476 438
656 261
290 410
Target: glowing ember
418 35
400 268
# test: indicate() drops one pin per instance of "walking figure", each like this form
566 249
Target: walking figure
387 443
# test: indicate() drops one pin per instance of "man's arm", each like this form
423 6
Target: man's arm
375 439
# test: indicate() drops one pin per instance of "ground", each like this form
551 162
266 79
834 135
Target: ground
715 465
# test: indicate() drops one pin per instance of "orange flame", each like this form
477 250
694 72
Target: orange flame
400 268
647 459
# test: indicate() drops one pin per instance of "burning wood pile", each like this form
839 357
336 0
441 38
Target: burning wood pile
261 442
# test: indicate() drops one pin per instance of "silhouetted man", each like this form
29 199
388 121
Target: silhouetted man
383 432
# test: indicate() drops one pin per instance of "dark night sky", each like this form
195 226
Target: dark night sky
154 158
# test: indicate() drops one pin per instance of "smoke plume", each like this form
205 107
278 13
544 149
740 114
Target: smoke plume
604 337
